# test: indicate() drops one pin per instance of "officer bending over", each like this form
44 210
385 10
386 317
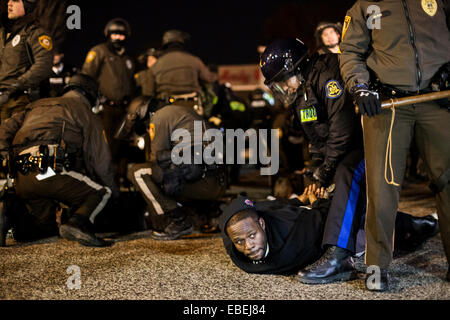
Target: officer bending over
313 87
61 156
164 185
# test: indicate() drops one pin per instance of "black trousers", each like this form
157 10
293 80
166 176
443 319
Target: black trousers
42 198
348 206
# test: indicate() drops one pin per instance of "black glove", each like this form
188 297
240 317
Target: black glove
324 173
440 80
367 101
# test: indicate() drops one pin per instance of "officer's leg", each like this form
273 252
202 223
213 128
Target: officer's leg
433 141
141 177
13 106
85 197
348 203
35 220
171 219
382 198
342 225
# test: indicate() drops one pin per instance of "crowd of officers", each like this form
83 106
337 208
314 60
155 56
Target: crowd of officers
61 127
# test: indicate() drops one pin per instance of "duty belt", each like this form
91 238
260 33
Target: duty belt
392 92
186 97
41 157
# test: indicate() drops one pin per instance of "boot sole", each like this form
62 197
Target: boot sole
163 236
343 276
74 234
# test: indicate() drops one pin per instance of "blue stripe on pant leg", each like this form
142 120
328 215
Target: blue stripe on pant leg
347 223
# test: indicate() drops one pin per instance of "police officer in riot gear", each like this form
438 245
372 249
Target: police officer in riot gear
177 74
26 51
60 156
312 86
109 64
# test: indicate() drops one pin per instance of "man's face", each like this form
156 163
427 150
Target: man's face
249 237
15 9
330 37
287 90
57 58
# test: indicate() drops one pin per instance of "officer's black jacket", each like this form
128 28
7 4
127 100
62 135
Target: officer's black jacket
294 235
326 112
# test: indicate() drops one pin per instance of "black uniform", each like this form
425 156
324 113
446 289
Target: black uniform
327 116
83 182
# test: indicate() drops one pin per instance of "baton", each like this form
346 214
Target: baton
399 102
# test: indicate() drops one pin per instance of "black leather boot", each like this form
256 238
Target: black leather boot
411 232
179 225
335 265
79 228
448 275
377 281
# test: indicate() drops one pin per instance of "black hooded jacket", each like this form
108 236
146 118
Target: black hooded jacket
294 235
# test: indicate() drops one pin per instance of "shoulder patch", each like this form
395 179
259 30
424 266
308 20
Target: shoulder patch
430 7
333 89
152 131
347 21
308 114
91 56
46 42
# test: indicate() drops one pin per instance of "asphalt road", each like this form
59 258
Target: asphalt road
139 268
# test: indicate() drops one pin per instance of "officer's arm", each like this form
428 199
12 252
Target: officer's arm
9 128
96 151
341 120
41 53
356 38
204 73
92 63
160 134
148 83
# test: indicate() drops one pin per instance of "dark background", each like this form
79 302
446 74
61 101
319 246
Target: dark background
222 32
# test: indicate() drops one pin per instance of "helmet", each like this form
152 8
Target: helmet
283 64
86 84
175 36
29 5
322 26
119 26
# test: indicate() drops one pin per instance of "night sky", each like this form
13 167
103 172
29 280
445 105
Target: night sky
222 32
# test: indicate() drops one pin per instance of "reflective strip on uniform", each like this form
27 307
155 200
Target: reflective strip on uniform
138 176
93 185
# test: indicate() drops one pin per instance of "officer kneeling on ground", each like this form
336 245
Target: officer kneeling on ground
59 150
164 185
